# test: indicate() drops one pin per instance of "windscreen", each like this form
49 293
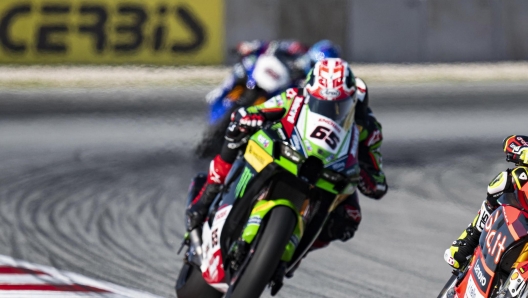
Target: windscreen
336 110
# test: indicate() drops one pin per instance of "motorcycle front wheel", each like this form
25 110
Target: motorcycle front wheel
190 284
268 252
448 288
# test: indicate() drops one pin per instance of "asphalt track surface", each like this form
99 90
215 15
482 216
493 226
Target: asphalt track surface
93 182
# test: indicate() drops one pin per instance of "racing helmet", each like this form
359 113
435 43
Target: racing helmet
321 50
331 90
516 149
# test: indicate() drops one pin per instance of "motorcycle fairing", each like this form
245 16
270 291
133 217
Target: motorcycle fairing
504 228
221 100
213 263
217 231
477 280
271 74
261 151
323 138
231 217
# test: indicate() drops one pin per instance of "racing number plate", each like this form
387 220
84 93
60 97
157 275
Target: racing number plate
257 157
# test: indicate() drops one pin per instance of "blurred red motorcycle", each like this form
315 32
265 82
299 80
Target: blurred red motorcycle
499 266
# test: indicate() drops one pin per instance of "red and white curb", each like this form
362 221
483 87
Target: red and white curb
23 279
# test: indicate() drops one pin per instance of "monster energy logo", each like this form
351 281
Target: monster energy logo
241 186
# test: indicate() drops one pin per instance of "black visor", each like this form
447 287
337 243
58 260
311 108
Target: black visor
337 110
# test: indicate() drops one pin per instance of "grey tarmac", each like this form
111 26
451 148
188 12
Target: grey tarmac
93 181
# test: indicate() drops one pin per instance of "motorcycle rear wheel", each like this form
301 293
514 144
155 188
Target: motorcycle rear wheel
190 284
268 252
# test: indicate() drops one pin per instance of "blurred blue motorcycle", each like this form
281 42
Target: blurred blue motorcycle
264 70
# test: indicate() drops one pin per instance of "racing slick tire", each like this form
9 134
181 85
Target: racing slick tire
268 252
190 284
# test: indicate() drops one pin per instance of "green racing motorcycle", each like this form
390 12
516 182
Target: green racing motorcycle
274 203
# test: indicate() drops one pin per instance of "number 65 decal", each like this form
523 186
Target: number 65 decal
326 134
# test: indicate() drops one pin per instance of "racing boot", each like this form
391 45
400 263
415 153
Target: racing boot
463 248
197 211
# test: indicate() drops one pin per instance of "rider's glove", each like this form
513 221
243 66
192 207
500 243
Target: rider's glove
245 121
251 119
236 137
243 124
462 249
248 121
372 184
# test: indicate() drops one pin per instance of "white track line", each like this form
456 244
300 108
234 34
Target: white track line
23 279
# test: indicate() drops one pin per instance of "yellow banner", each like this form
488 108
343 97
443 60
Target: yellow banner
112 31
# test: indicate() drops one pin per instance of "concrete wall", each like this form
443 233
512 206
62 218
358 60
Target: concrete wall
391 30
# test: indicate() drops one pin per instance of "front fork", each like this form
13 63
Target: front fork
259 212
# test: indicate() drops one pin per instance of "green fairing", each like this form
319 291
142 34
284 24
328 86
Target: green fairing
262 134
326 185
326 156
261 209
316 150
288 165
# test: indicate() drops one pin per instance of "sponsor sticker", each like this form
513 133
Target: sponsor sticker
471 290
256 156
308 145
263 140
294 110
254 220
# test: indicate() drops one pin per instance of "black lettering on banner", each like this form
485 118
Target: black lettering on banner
45 32
196 28
97 29
159 32
321 133
136 29
6 22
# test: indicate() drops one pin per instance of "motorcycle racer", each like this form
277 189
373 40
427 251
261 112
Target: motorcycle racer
330 91
516 149
292 51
